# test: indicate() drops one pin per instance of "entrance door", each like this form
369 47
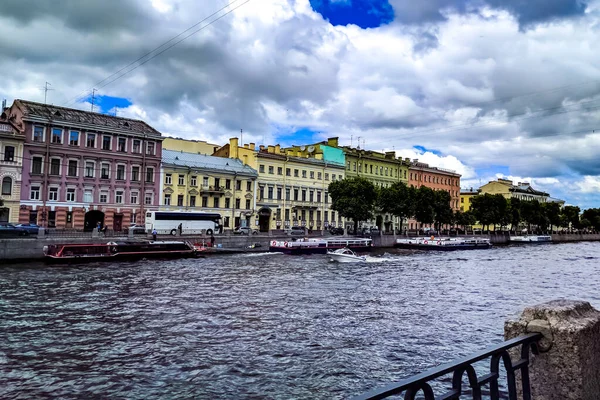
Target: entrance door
4 213
118 223
264 219
91 220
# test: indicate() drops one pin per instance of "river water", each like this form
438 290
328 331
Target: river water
267 325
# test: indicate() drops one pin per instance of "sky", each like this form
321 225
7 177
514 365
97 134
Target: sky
488 88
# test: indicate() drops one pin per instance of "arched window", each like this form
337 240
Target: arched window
6 186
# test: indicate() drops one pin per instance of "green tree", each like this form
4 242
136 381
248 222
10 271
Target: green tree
514 213
500 212
570 216
552 213
592 215
398 200
353 198
482 207
424 205
441 208
532 213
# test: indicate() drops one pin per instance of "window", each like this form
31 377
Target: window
296 173
180 200
6 186
168 179
332 177
91 140
192 201
119 197
217 183
194 181
181 180
327 176
319 176
74 138
149 174
150 148
279 171
134 198
261 193
103 197
327 201
167 199
318 196
133 218
279 193
261 169
237 203
54 166
120 172
227 202
204 201
247 204
354 166
135 174
105 171
9 153
136 146
303 194
88 196
359 167
89 169
56 135
287 214
34 193
271 169
248 186
288 172
53 194
312 174
304 173
228 184
287 194
226 222
106 142
270 192
311 196
148 199
122 145
205 182
216 202
295 194
36 165
70 194
38 134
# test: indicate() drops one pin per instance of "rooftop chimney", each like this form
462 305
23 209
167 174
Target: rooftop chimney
252 146
333 141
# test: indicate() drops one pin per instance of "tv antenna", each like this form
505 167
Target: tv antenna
93 98
46 89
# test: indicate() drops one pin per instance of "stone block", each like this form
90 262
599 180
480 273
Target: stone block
568 366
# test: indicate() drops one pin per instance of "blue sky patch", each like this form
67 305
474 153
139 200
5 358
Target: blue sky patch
106 104
296 136
492 170
363 13
423 149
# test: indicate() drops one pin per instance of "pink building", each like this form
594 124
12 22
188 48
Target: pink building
81 168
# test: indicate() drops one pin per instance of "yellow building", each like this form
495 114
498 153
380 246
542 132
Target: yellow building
189 146
196 182
291 186
465 199
521 191
11 167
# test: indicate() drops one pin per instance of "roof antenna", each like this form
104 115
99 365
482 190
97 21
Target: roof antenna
351 140
46 89
93 98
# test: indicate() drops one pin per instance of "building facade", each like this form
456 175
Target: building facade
421 174
466 195
196 182
189 146
82 168
521 191
11 167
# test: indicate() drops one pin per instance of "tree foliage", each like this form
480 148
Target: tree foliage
591 218
353 198
398 200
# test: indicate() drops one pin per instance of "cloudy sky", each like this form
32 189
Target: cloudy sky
486 87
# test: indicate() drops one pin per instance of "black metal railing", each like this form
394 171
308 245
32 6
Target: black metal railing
421 384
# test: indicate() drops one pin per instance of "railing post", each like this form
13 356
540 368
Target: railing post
568 365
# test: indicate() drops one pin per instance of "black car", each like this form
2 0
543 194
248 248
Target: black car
33 229
11 230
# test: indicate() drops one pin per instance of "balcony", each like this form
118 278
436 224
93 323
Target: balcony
212 190
306 205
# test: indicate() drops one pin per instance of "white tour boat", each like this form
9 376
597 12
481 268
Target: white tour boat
345 255
531 239
319 245
443 244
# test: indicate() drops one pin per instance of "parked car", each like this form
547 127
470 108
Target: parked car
32 229
11 230
295 230
137 229
244 230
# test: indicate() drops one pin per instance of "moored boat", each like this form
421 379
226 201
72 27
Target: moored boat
319 245
443 244
530 239
76 252
345 255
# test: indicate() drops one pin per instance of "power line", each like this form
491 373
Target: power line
101 83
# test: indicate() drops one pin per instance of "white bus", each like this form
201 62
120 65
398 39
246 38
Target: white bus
167 222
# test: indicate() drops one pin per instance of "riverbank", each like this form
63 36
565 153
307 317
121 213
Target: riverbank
31 248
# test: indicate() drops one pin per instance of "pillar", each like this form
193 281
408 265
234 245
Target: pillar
568 366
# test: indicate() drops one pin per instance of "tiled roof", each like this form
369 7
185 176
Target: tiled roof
201 161
70 115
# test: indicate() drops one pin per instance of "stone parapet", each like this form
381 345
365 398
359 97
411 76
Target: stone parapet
568 365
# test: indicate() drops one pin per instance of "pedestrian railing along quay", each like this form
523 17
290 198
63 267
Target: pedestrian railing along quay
421 384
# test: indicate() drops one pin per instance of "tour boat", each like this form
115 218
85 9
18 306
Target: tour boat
118 251
443 244
531 239
345 255
319 245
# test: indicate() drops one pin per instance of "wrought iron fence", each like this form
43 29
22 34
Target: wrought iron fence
421 384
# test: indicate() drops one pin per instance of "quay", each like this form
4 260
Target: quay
31 248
